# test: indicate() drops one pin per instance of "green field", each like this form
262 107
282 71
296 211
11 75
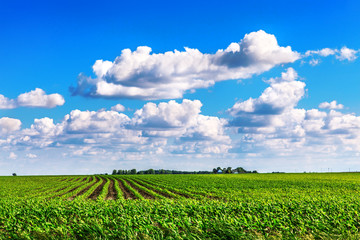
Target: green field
216 206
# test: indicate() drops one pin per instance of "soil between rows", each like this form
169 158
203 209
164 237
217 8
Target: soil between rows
142 192
98 190
127 193
85 189
112 191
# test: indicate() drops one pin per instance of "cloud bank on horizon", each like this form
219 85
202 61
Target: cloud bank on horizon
271 124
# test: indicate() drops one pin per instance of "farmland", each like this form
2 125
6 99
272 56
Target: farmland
214 206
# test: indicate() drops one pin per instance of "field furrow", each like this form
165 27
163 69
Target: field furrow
69 188
112 193
183 193
85 188
127 191
90 189
97 190
163 192
145 194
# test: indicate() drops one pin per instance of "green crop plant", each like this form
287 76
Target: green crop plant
91 189
104 190
136 193
148 191
227 206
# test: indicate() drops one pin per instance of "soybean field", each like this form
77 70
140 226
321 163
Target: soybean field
213 206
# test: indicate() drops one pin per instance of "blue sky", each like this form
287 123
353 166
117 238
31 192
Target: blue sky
271 86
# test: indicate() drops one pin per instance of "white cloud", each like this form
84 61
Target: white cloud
8 125
314 62
118 108
167 115
6 103
347 54
343 54
34 98
323 52
142 75
31 156
12 155
184 122
154 129
38 98
94 122
284 130
331 105
283 94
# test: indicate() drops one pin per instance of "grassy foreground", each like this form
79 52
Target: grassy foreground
249 206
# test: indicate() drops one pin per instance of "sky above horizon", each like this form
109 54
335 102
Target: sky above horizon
88 87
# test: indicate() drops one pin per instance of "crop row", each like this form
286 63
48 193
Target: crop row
103 187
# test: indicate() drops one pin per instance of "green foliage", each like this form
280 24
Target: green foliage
215 206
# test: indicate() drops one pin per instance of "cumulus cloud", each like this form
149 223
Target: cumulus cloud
331 105
284 129
94 121
180 120
347 54
141 74
9 125
34 98
283 94
6 103
118 108
167 115
154 129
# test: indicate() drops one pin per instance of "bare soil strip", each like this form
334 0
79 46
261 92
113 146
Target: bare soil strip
97 191
142 192
155 190
84 179
112 191
84 190
127 193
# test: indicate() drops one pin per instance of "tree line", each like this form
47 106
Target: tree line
217 170
229 170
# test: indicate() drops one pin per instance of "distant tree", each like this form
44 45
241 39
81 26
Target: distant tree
228 170
14 174
119 172
240 170
151 171
215 170
133 171
114 172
